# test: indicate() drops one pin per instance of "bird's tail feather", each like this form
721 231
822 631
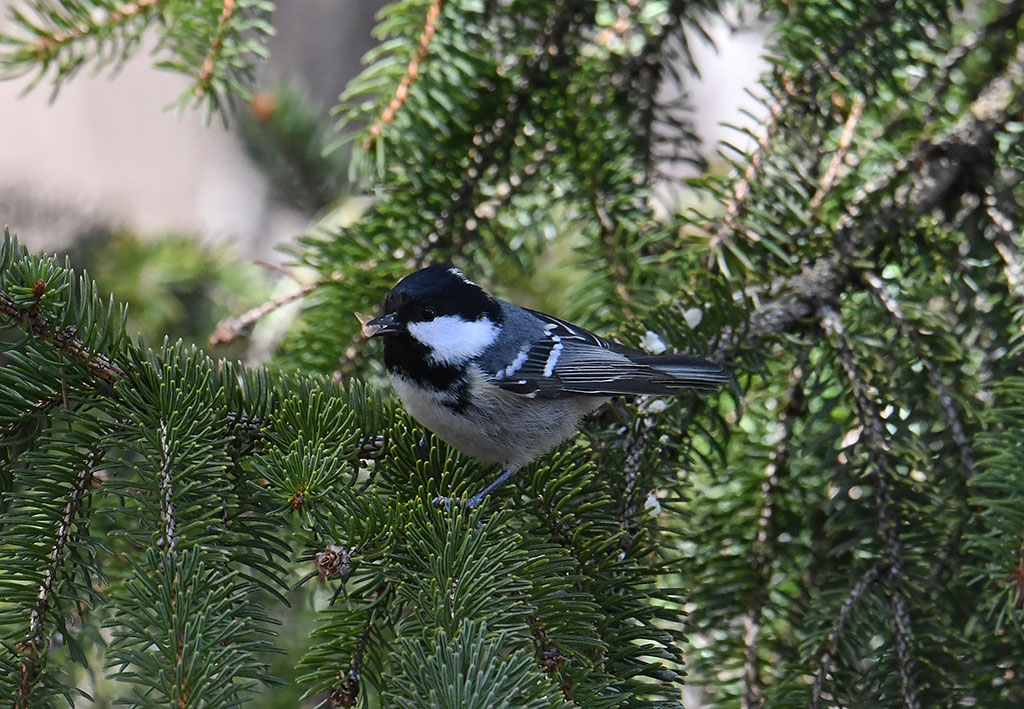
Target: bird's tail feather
692 372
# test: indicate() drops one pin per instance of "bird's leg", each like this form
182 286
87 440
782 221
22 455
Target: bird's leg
476 499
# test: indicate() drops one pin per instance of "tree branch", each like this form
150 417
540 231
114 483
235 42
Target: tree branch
937 170
35 638
829 650
64 340
831 176
165 481
488 144
216 47
1007 237
47 43
774 472
346 693
876 444
950 412
792 88
231 328
402 92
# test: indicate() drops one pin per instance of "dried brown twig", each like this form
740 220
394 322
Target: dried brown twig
233 327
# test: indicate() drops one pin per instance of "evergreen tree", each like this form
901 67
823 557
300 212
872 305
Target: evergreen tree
844 528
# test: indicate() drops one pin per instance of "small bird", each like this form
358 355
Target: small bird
506 384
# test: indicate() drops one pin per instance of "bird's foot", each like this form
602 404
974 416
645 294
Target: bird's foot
453 502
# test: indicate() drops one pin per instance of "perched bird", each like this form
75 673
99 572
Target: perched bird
506 384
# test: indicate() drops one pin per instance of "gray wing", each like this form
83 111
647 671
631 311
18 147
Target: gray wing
568 359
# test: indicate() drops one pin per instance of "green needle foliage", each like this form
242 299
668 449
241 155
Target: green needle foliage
212 42
843 527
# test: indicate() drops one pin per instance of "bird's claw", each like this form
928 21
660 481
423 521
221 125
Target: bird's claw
454 502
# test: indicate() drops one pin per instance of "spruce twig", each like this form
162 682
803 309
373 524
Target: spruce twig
950 411
793 89
774 473
883 479
165 484
496 138
828 652
940 166
64 340
831 176
1007 237
35 639
402 92
232 328
206 70
49 40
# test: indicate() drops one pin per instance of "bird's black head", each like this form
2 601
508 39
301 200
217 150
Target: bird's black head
439 291
440 315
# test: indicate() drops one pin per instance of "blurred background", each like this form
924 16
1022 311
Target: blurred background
171 211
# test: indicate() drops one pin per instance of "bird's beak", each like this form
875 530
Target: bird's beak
385 325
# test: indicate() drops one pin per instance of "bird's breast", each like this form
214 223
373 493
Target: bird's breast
489 423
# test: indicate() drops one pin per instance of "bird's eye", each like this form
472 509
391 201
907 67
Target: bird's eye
429 313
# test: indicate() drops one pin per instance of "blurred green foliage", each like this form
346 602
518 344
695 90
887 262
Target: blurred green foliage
174 285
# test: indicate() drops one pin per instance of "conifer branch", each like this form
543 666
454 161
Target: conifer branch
644 73
882 475
831 176
954 420
882 13
166 489
48 42
635 446
37 408
730 224
995 29
35 639
792 89
402 92
939 166
774 473
504 191
232 328
494 140
346 693
64 340
216 48
828 652
1006 241
552 660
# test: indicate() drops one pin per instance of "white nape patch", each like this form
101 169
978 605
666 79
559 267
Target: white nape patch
456 272
556 352
453 340
517 363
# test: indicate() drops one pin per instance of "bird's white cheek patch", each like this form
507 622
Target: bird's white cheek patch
453 340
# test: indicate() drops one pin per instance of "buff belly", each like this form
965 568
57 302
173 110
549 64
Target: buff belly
499 426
